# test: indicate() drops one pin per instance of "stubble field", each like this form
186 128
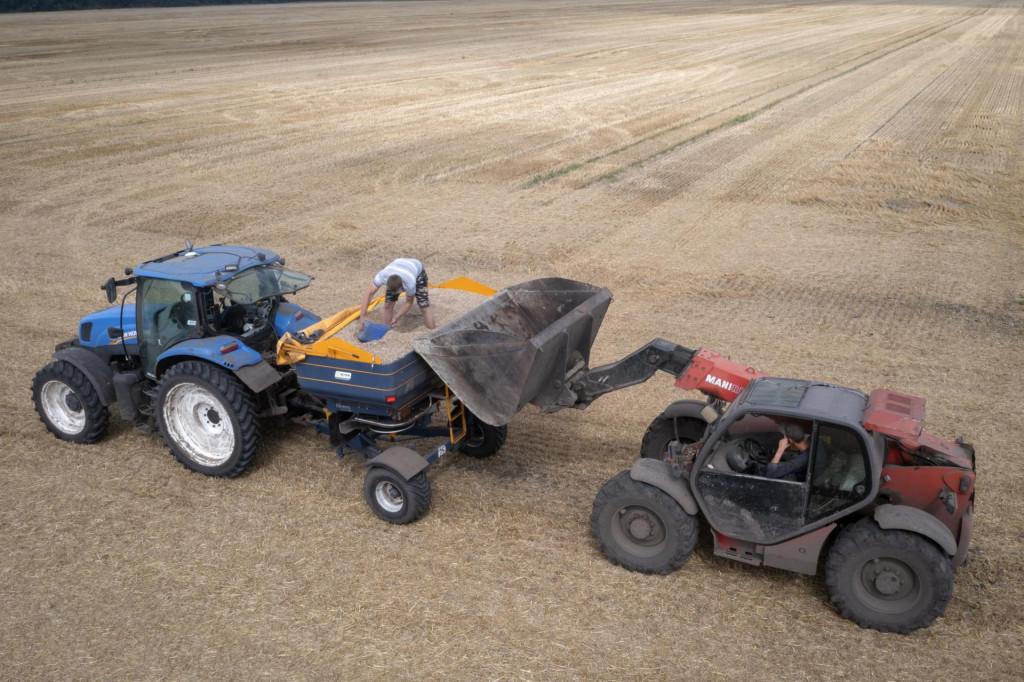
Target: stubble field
830 191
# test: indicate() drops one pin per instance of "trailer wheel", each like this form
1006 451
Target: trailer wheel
482 440
68 404
640 527
888 580
207 419
395 499
663 430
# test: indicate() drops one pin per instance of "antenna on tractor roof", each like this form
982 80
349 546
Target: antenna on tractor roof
199 230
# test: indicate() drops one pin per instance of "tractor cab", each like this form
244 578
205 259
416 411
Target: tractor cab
826 476
231 296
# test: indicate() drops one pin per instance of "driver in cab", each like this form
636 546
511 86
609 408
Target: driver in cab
794 469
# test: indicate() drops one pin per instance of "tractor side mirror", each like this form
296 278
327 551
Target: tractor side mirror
110 287
710 414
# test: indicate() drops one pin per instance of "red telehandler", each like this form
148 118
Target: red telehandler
888 507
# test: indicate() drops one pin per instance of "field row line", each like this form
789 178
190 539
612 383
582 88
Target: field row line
736 120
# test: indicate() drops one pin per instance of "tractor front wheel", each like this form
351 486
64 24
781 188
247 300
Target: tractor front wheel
68 403
395 499
640 527
888 580
207 419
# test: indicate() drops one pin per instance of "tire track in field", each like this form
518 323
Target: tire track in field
752 162
648 113
748 116
719 120
215 146
949 154
935 103
859 310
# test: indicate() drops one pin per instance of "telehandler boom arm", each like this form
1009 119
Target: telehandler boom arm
702 370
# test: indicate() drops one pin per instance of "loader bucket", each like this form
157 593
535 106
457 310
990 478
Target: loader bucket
518 346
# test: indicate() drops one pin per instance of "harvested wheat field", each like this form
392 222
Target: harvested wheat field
830 191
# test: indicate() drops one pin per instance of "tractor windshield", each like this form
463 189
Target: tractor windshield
263 282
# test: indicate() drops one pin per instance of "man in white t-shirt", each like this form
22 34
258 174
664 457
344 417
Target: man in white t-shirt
403 273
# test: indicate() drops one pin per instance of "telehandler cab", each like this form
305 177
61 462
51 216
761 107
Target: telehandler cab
888 507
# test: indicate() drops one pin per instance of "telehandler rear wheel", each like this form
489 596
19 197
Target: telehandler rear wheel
888 580
395 499
68 404
207 419
640 527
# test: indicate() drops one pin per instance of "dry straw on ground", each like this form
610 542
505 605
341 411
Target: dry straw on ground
821 190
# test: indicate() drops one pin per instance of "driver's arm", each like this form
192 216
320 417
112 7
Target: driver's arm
783 444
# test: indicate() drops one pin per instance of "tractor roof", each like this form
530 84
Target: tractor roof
206 265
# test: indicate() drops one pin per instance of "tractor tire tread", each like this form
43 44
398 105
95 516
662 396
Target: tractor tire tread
97 414
239 399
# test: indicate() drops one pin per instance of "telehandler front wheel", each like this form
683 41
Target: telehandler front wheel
207 419
68 404
888 580
395 499
665 429
640 527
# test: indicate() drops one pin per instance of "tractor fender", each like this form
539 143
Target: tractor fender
244 362
685 408
657 473
902 517
403 461
210 349
98 372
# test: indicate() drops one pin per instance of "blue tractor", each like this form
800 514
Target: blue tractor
193 356
211 346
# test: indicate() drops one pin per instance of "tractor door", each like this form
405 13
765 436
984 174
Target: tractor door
753 507
166 313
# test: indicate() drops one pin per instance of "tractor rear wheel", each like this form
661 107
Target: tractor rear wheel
640 527
664 429
395 499
207 419
68 403
888 580
482 440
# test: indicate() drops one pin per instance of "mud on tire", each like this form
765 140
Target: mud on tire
68 404
642 528
888 580
207 419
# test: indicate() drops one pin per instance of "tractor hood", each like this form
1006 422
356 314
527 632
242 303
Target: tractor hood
103 327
